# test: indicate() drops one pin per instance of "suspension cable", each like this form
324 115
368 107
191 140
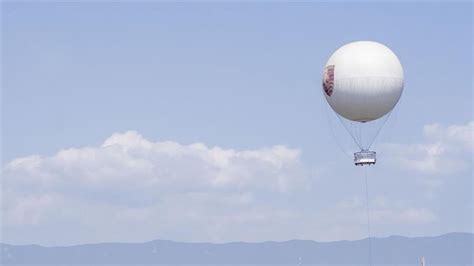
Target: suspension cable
349 131
368 215
334 133
380 128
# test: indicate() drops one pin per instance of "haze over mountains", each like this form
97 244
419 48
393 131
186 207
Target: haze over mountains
449 249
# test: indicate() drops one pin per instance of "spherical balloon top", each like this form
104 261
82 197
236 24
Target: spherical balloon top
363 81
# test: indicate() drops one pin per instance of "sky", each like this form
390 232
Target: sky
206 122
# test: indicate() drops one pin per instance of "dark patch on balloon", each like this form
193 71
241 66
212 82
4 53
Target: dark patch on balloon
328 80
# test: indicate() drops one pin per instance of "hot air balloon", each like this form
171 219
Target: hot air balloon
362 82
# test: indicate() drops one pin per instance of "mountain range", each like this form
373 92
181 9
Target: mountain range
448 249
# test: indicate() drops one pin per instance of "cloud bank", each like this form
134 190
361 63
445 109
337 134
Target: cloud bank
445 150
132 189
162 186
127 162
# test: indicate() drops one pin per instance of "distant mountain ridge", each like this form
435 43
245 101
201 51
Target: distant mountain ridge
448 249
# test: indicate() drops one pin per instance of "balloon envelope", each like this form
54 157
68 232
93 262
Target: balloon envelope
363 81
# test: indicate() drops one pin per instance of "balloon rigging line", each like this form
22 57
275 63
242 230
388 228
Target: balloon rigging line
348 131
358 130
333 133
380 128
354 132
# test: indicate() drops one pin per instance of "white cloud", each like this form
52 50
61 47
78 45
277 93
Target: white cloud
29 210
156 184
445 150
460 136
128 162
132 189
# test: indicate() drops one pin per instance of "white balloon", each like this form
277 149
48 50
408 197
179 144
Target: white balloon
363 81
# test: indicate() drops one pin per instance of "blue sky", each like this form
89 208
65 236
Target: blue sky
242 77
